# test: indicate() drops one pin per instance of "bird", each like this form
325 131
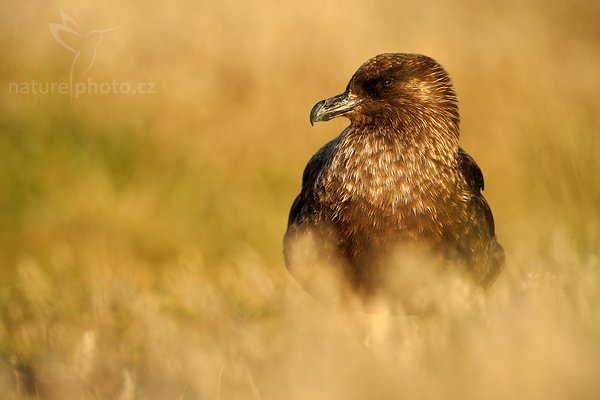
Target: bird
395 180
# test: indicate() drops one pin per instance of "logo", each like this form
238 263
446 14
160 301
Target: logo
84 46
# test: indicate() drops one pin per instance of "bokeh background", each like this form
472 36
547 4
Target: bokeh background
140 234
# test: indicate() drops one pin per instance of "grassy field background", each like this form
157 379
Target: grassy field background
140 235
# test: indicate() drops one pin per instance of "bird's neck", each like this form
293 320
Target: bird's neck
389 168
409 146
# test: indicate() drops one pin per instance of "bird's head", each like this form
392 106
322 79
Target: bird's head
400 90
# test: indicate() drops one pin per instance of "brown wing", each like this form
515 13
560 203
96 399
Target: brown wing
304 206
479 244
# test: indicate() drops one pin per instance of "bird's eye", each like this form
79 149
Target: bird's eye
386 82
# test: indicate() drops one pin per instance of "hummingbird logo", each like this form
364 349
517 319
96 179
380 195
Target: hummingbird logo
83 45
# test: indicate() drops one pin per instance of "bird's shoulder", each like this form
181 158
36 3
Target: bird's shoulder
318 162
316 165
474 178
470 170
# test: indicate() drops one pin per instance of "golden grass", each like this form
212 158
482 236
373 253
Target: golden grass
140 249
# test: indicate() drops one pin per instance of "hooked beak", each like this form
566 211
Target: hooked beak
333 107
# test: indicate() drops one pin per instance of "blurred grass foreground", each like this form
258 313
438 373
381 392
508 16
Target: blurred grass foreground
140 239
